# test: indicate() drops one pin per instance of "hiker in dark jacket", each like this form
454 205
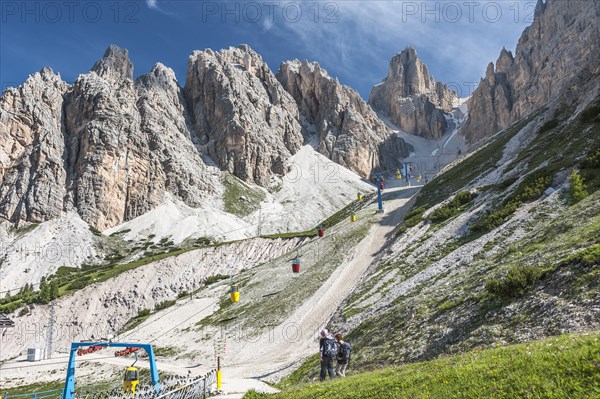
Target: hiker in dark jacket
342 357
328 351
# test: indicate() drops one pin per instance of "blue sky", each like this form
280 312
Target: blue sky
353 40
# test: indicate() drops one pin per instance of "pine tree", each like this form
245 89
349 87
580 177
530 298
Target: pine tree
44 295
53 290
578 189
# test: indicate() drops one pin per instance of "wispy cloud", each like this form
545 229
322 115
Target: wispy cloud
456 42
153 5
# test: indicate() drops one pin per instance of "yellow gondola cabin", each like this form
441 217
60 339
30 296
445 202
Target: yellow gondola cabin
234 292
131 379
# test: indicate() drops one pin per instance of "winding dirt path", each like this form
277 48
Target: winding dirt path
296 338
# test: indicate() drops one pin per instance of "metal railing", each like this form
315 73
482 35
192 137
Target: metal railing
200 388
50 394
172 387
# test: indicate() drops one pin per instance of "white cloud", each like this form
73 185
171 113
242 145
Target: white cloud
153 5
267 25
457 42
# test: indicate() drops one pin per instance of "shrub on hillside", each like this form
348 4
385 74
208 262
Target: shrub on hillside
400 231
442 213
493 219
452 208
592 161
591 256
165 304
79 283
551 124
214 278
588 257
203 241
591 113
252 394
515 284
578 189
530 189
183 294
24 311
414 217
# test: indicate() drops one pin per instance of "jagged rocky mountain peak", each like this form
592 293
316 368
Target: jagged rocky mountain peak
490 71
245 120
242 55
160 75
560 45
112 148
115 64
505 61
406 68
411 98
48 73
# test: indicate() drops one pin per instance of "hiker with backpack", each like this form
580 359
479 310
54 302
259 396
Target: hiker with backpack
342 356
328 351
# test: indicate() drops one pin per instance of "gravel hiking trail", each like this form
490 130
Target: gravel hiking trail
279 349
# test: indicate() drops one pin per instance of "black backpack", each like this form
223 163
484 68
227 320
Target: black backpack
343 352
330 348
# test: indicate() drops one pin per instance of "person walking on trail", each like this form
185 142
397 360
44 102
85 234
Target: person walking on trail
328 351
342 357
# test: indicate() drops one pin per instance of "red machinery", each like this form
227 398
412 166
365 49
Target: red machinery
126 351
88 350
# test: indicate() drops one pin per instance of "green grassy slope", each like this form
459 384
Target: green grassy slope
506 265
562 367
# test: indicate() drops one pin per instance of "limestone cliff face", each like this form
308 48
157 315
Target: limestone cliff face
411 97
245 121
171 139
128 143
346 128
562 42
32 172
107 146
110 147
109 174
492 99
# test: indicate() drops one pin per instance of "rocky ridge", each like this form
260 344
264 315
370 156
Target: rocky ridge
344 127
111 147
245 121
560 45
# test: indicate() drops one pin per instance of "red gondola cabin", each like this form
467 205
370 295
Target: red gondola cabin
296 265
321 231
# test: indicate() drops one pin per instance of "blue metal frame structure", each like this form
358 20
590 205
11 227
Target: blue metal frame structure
69 390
